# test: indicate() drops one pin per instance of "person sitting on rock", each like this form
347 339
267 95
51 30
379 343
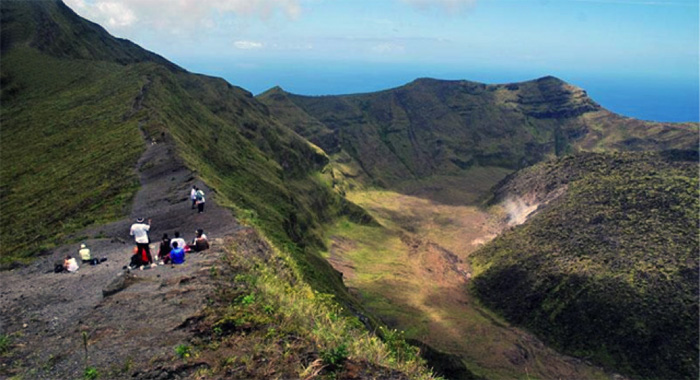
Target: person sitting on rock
165 248
177 239
70 265
136 259
86 256
200 242
177 255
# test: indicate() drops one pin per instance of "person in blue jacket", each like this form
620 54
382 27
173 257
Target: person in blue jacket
177 255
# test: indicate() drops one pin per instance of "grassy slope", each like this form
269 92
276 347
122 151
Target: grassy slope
432 128
265 321
68 151
70 131
75 115
610 270
82 99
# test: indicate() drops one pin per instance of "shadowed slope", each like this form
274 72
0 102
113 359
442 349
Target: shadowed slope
609 269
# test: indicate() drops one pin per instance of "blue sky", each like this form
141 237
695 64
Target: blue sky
622 51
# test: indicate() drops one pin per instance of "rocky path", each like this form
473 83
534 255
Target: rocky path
45 314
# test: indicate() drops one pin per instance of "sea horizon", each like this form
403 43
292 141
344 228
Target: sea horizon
645 97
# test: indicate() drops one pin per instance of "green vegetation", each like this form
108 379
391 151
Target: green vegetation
5 343
76 115
183 351
68 157
609 271
265 318
78 106
434 128
91 373
411 270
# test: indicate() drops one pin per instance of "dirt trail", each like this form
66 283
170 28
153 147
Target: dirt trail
45 313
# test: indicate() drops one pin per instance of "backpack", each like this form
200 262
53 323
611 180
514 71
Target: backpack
199 195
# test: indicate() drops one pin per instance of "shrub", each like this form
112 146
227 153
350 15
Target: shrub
183 351
334 356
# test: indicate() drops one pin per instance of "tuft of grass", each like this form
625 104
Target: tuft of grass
5 343
91 373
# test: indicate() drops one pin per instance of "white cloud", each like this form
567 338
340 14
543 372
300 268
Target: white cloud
116 14
178 15
248 45
446 5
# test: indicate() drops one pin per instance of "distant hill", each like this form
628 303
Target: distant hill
608 268
437 127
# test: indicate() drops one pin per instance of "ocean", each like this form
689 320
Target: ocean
645 97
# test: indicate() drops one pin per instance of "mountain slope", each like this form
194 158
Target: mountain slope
84 115
608 270
87 101
78 112
434 127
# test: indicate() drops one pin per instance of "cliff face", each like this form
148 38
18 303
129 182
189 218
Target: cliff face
434 127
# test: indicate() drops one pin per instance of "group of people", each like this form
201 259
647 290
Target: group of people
171 251
70 264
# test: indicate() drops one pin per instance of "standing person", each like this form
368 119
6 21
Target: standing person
164 247
139 231
193 196
200 200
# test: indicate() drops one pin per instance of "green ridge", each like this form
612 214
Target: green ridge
608 271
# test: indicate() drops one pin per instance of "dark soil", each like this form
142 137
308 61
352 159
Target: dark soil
45 314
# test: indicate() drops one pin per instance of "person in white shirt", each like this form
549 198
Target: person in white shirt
193 197
139 231
70 264
177 239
